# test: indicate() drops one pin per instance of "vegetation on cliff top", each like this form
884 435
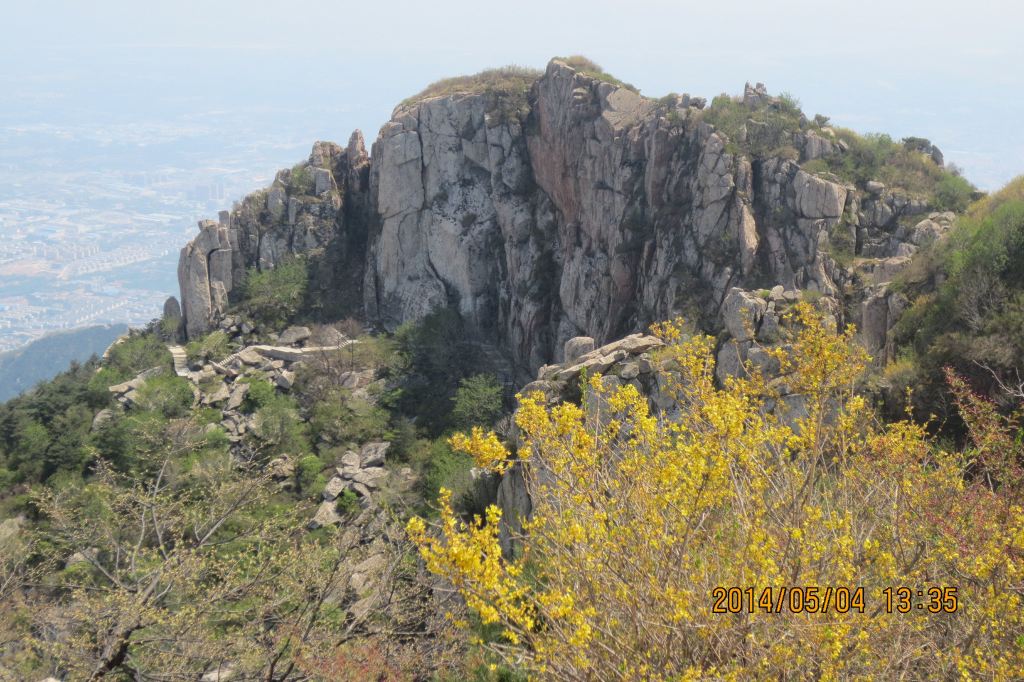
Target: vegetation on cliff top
505 82
897 164
589 67
967 308
509 84
760 129
766 128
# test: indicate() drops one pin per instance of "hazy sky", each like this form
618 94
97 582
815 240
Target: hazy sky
950 71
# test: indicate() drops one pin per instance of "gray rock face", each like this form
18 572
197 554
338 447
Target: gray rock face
583 211
205 277
755 95
813 146
326 515
320 209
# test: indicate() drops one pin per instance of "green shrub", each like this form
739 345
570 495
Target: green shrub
347 503
115 442
7 478
442 467
431 358
968 305
340 418
275 296
952 193
279 428
477 402
96 391
309 479
169 328
668 100
300 181
207 415
66 451
14 505
261 392
402 435
166 394
136 353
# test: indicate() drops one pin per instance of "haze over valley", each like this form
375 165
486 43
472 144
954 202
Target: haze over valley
127 127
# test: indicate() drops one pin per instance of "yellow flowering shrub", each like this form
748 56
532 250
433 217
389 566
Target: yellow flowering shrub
638 517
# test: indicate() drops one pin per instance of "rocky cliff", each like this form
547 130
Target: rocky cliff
575 208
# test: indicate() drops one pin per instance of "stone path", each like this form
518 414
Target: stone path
180 360
286 353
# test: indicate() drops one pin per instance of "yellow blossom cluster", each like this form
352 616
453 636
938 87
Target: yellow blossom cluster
753 483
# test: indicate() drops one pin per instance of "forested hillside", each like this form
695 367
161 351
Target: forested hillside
22 369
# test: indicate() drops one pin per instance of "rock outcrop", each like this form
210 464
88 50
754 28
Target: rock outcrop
583 210
319 208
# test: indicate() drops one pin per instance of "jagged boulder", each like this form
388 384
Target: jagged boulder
755 95
742 312
334 487
326 515
373 454
350 463
101 418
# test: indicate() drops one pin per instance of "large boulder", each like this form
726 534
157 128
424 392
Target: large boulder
742 312
172 309
575 347
294 335
373 454
205 277
326 515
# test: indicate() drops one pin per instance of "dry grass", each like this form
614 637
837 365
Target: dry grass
509 80
591 68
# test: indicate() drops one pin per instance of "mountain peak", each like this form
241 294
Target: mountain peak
545 206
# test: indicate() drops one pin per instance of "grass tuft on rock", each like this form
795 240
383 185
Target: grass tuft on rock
591 68
511 80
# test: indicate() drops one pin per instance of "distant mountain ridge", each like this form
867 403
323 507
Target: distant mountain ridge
43 359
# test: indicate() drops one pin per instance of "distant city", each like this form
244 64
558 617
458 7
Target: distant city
89 238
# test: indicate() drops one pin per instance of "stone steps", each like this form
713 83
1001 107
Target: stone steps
180 358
